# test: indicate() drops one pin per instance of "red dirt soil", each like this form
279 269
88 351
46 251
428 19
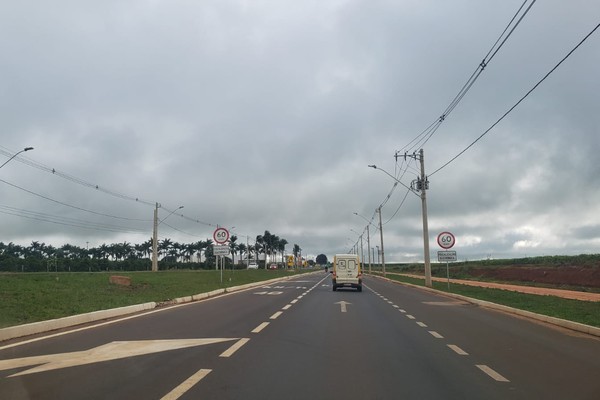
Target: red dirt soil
553 275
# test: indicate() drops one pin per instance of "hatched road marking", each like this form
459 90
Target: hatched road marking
106 352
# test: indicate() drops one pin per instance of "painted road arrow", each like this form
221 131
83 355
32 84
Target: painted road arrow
107 352
343 305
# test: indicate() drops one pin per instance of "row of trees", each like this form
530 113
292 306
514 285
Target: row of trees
40 256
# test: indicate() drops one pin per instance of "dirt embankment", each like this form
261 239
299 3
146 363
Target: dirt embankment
550 275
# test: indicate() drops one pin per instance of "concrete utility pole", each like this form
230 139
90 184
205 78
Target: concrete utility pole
368 239
424 185
381 237
369 248
155 235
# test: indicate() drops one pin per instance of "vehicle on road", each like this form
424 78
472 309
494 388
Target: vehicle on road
253 265
346 272
273 266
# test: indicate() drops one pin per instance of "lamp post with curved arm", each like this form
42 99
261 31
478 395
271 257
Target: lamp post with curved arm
362 254
155 235
16 154
368 239
422 184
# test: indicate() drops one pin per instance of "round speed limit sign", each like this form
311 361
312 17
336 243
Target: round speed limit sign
221 235
446 240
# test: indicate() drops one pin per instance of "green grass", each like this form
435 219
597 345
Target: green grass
32 297
585 312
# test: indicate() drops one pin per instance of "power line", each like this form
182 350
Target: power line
84 183
70 205
422 138
38 216
518 102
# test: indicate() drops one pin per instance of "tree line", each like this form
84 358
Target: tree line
38 256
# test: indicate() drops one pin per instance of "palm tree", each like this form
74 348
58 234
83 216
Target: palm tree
296 251
164 246
281 247
233 246
242 249
259 247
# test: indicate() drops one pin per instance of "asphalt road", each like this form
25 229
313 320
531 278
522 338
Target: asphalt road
300 340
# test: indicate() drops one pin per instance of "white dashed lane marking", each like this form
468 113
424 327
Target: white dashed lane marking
487 370
260 327
493 374
458 350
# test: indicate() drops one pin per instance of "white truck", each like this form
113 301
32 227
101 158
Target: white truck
346 272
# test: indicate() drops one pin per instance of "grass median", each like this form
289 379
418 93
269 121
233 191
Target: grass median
33 297
584 312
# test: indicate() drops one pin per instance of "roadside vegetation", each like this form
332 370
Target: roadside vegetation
32 297
581 272
40 257
585 312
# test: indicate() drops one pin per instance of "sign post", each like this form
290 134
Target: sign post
221 236
446 240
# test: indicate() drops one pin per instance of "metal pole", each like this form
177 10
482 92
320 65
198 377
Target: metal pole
155 240
362 253
381 237
16 154
369 248
425 225
448 274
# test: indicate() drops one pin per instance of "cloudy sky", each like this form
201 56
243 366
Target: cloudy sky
263 115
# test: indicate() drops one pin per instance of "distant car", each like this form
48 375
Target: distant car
253 265
273 266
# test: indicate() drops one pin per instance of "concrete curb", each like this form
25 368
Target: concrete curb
575 326
13 332
59 323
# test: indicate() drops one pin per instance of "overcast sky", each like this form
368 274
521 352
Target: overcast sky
263 115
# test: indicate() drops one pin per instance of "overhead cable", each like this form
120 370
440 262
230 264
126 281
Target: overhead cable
518 102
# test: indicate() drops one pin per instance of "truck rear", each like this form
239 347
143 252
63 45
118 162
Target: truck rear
346 272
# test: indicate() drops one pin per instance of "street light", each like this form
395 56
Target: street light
155 235
422 186
16 154
368 239
362 254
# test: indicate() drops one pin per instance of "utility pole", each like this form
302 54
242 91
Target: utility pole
369 247
362 253
381 237
155 240
423 184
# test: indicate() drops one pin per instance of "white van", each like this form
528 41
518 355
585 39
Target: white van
346 272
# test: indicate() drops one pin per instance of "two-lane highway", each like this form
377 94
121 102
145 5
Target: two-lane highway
298 339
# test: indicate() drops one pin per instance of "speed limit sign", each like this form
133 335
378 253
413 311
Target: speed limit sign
446 240
221 235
